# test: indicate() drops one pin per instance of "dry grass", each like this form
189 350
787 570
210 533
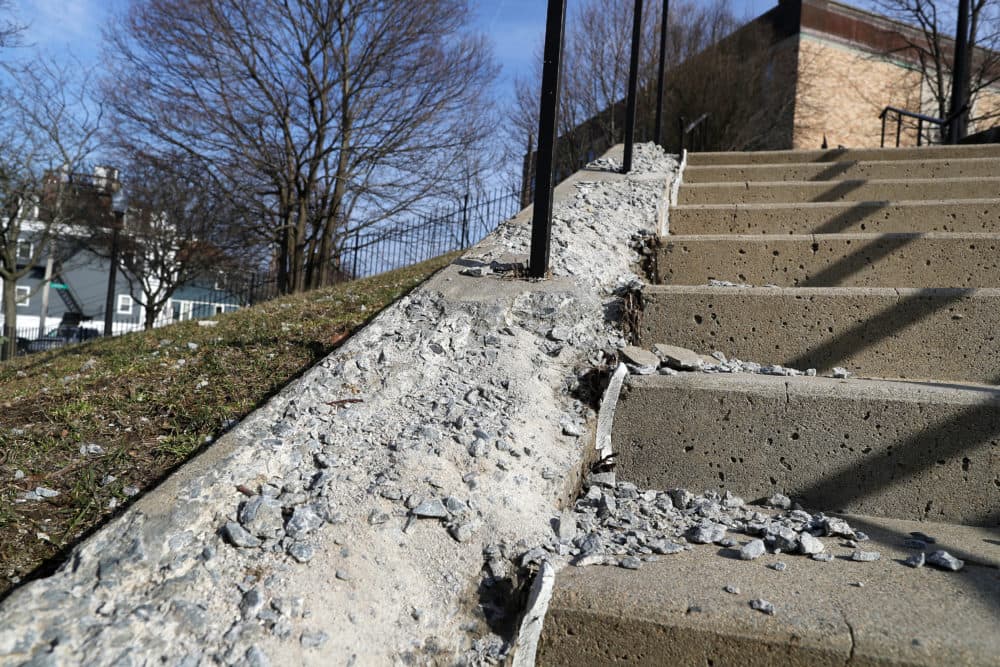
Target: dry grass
150 401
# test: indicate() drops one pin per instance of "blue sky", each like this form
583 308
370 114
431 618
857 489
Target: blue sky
64 27
517 28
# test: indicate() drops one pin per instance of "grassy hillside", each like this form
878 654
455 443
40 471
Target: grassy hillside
100 422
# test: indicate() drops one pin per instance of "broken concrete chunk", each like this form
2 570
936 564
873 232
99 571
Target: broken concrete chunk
753 549
430 509
262 517
945 561
630 563
679 358
706 532
865 556
810 545
638 356
835 527
779 501
762 606
915 561
238 536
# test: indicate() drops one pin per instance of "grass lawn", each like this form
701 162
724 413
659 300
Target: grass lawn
102 421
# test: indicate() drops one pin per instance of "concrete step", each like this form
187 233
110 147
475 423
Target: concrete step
952 215
909 450
869 169
830 260
841 155
675 612
759 192
947 334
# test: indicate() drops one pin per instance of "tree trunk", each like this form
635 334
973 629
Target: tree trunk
330 228
9 347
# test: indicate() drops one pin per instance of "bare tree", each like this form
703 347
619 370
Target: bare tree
11 30
931 46
48 130
317 117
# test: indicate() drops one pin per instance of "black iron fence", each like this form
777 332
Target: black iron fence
364 253
457 226
369 251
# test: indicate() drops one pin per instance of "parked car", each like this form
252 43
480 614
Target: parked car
61 336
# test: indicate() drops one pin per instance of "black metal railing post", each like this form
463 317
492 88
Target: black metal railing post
109 299
658 125
541 219
958 118
465 222
633 84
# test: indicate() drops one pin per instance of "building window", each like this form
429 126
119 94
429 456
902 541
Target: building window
220 282
23 295
219 310
25 249
124 304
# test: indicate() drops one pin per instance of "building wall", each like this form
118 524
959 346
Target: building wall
842 90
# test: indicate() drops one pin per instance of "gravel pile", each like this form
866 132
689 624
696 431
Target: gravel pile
617 524
669 359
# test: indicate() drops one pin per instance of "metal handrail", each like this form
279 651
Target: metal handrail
920 118
696 129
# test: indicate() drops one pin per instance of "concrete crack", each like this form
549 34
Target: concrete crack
850 630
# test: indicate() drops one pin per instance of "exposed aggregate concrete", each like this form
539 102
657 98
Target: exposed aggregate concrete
348 520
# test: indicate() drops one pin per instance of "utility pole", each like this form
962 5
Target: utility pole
958 124
44 314
109 301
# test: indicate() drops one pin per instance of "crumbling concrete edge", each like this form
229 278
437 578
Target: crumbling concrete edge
669 199
606 417
530 632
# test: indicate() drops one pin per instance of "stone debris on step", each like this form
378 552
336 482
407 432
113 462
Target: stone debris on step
762 606
669 359
945 561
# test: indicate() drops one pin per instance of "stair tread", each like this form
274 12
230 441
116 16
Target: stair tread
837 155
837 204
819 184
675 611
799 238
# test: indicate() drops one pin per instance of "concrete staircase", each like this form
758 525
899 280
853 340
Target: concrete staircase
883 262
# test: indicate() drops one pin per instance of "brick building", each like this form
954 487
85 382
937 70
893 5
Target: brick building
849 65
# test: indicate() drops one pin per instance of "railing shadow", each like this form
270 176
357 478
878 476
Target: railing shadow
885 324
851 216
834 170
839 190
855 262
973 429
